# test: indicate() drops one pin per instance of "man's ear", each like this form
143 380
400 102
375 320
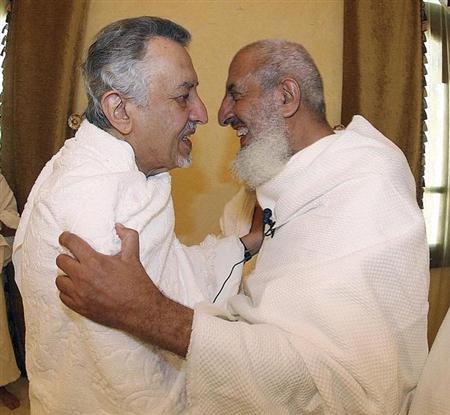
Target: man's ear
291 93
114 108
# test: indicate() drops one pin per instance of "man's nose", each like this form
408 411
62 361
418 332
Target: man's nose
225 113
199 113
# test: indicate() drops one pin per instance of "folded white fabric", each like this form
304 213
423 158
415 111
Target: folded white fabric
333 319
9 371
238 213
8 217
75 365
432 395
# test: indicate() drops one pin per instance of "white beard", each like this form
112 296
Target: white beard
184 163
263 158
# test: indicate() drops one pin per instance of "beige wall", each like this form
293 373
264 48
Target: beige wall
219 29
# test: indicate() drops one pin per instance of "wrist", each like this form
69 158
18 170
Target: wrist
252 242
247 253
165 323
174 326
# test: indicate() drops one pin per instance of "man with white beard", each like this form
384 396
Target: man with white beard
333 318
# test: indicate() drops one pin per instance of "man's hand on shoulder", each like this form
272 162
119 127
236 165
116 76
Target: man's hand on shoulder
117 292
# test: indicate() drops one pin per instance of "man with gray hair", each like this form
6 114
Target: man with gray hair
142 108
333 318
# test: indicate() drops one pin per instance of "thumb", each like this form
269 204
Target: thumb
130 242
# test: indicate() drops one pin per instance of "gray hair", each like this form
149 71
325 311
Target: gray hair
277 59
114 61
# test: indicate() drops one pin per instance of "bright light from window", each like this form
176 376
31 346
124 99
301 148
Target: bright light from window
436 151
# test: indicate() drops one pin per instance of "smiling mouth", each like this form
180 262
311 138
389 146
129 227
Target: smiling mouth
242 132
185 139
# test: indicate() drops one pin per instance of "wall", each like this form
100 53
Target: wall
219 29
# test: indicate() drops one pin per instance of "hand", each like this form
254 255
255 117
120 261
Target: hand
100 287
117 292
254 238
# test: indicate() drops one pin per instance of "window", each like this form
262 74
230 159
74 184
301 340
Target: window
436 148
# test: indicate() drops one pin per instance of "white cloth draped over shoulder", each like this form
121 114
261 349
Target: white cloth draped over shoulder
432 395
75 365
9 371
333 319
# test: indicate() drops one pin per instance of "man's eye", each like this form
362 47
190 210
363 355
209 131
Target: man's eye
183 98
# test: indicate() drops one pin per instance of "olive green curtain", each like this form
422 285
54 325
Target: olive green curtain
382 72
43 46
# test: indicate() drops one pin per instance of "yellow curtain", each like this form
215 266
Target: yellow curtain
382 71
39 79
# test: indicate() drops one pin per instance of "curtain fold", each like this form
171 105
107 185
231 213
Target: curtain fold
382 72
41 67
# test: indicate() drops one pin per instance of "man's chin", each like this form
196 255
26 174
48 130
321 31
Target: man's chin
261 160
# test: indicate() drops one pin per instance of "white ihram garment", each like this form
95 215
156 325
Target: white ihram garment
76 366
333 319
9 371
432 395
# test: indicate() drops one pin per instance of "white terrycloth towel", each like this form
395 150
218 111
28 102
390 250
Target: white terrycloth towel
432 395
333 319
9 371
75 365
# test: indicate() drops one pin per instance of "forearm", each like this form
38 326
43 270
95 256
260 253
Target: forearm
253 240
164 323
117 292
251 243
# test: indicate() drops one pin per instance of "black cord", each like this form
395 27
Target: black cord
267 215
231 272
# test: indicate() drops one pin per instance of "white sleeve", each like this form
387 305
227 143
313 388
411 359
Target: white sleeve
8 205
257 370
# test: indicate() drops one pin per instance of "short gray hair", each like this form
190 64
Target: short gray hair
114 61
277 59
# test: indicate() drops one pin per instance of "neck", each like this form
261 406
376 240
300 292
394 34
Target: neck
306 129
117 134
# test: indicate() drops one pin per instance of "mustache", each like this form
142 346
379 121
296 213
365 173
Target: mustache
189 128
234 122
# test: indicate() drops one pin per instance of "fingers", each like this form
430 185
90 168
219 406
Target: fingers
68 302
76 245
65 285
68 295
130 241
67 264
